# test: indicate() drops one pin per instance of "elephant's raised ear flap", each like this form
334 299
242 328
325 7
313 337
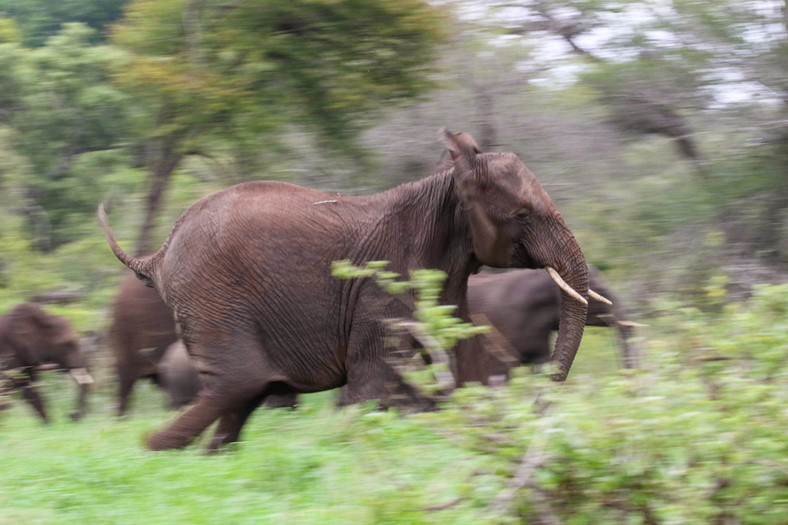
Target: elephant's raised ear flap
490 243
459 143
462 147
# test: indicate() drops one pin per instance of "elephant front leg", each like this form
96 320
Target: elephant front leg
377 380
371 377
32 396
82 402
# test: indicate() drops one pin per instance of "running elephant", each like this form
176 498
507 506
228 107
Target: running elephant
31 340
523 306
247 272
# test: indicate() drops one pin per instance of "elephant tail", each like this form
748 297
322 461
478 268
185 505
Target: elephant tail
143 267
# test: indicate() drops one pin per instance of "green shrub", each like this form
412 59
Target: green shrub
699 437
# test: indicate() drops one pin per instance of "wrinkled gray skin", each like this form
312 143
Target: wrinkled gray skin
180 380
524 305
30 339
247 272
178 376
142 328
141 331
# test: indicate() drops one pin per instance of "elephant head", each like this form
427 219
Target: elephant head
514 223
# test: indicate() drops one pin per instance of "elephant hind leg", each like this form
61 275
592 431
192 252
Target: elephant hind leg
275 395
234 386
229 428
189 425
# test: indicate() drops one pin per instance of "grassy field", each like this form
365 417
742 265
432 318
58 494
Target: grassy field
697 436
314 465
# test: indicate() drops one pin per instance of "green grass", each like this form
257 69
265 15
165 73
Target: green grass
687 440
315 465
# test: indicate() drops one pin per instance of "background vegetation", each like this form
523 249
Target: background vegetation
659 128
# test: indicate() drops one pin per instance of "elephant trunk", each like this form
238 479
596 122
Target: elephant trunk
572 268
84 381
630 354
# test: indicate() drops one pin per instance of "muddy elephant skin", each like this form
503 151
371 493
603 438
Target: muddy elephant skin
32 339
523 306
247 272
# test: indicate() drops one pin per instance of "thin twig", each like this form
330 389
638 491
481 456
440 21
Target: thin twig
533 458
444 506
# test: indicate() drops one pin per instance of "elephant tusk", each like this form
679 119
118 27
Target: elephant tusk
81 376
565 287
48 367
593 295
631 324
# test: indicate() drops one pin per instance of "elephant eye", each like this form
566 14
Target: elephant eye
523 213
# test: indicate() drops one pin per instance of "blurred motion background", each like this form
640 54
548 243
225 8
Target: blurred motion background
658 127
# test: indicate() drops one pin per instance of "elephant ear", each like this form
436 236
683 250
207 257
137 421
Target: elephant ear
491 244
461 146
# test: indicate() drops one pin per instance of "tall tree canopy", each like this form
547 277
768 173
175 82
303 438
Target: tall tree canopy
211 70
57 104
41 19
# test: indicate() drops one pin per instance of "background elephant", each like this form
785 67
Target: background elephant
248 273
524 305
141 332
142 328
32 340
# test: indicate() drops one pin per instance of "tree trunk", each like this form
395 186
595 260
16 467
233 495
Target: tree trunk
166 160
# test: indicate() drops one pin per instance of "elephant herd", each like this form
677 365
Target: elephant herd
239 306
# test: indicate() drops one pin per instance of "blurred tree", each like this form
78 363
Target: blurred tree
247 72
694 71
40 19
9 31
58 102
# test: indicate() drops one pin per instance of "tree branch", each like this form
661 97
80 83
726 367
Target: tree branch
66 160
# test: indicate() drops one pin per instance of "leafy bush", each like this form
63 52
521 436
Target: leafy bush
436 319
697 438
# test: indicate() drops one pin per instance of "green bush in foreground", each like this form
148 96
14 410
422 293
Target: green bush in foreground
696 437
